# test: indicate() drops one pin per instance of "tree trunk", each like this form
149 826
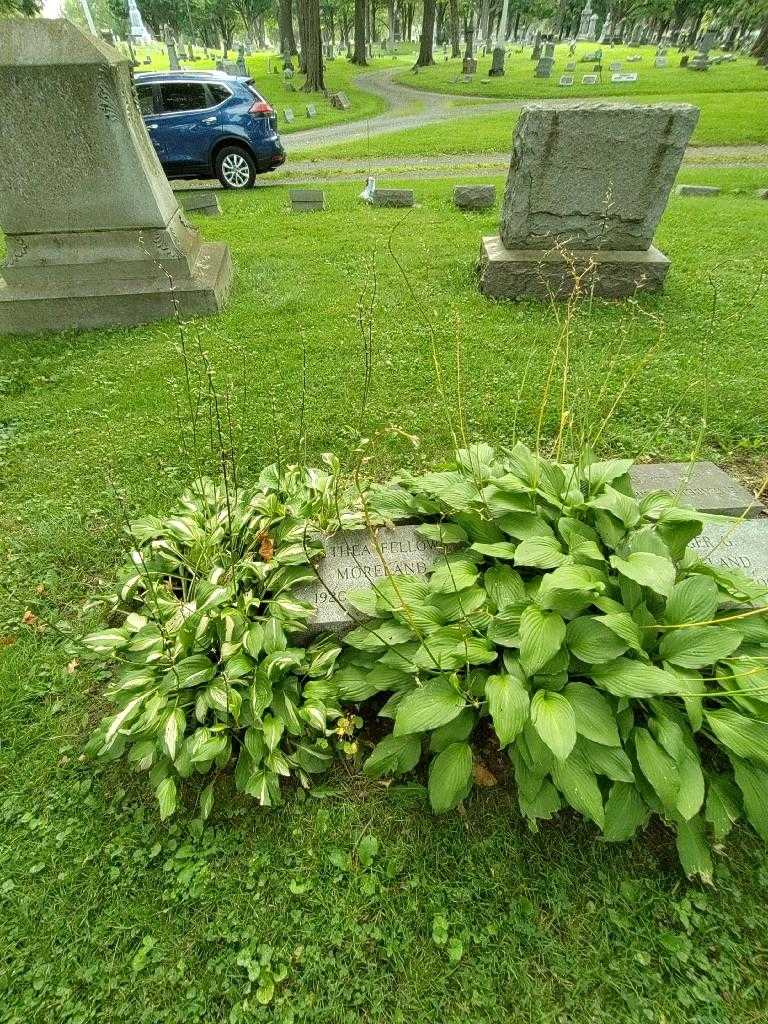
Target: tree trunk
485 11
359 56
301 18
760 48
455 39
391 24
427 34
469 34
285 27
311 45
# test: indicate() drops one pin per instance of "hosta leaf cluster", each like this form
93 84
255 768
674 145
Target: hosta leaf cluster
622 676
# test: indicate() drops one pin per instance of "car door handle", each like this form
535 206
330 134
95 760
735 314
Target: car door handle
209 120
151 127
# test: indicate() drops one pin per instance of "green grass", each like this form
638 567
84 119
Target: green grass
727 119
108 915
339 75
743 75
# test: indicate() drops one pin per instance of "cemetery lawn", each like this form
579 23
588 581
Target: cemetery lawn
106 914
743 75
728 119
339 76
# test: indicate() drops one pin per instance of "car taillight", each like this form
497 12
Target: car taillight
260 108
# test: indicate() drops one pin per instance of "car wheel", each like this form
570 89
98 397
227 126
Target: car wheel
235 167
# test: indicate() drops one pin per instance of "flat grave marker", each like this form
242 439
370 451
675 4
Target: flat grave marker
741 546
698 190
704 485
660 62
289 115
566 80
340 101
571 65
311 110
200 201
307 200
392 197
589 79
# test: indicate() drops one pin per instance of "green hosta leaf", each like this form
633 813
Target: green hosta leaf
625 812
554 720
501 549
753 783
598 474
724 806
699 646
745 737
690 797
206 802
647 570
378 636
622 506
452 488
609 761
253 641
106 641
592 641
501 502
450 777
275 639
540 553
541 637
658 767
273 731
692 600
255 744
452 732
593 714
508 703
453 572
505 587
578 784
166 797
625 627
526 526
173 732
693 850
427 707
444 533
194 671
626 677
394 755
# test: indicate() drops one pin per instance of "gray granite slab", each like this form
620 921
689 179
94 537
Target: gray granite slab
741 546
352 562
698 190
305 200
392 197
704 485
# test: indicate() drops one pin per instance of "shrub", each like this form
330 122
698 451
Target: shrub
622 676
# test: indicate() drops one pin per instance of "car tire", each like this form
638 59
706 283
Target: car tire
235 167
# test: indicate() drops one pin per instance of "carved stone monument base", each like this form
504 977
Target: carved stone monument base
540 274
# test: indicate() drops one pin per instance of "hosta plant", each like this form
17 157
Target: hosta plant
623 677
207 667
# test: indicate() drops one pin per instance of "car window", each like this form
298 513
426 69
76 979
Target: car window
183 96
146 102
217 94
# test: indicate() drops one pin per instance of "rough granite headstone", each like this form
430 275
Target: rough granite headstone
392 197
340 101
474 197
497 66
701 484
587 186
352 562
93 230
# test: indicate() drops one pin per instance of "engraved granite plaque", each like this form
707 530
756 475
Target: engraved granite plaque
741 546
701 484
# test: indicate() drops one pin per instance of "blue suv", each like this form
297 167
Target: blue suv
206 124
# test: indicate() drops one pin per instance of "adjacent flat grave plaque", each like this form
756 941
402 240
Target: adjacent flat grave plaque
700 484
289 115
200 201
352 562
589 79
660 62
625 76
340 101
741 546
566 80
392 197
306 200
311 110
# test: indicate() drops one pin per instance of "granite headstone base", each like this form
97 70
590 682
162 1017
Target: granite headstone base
538 274
701 484
474 197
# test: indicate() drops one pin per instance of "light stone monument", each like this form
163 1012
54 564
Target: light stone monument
93 231
587 186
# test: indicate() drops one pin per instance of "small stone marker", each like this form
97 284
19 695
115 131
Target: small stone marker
626 76
554 220
660 62
698 190
474 197
469 66
289 115
340 101
571 65
392 197
615 65
311 110
307 200
566 80
741 546
762 193
701 484
589 79
634 58
200 201
352 562
93 232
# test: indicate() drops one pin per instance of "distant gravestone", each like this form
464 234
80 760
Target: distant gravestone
566 80
311 110
469 66
742 546
474 197
625 76
698 190
571 65
660 62
554 221
392 197
307 200
615 65
173 57
228 67
544 67
701 484
589 79
352 562
200 201
634 58
340 101
94 234
497 65
289 115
